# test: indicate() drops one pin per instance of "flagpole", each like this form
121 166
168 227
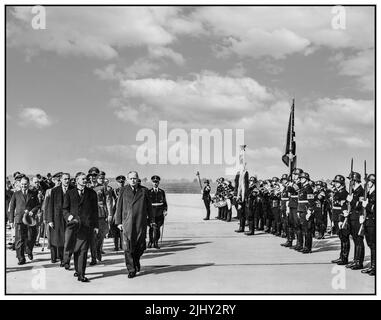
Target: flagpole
291 137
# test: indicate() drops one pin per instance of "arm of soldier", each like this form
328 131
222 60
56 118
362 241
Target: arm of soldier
94 221
118 212
11 209
165 205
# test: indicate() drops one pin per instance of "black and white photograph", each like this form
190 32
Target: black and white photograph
189 149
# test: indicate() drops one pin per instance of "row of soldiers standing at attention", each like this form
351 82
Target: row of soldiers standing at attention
38 210
297 208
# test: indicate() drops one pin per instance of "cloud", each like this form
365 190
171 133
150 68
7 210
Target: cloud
361 67
159 52
34 117
280 31
190 102
98 32
355 142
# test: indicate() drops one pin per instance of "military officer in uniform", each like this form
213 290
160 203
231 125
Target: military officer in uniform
370 223
283 203
294 225
96 244
159 211
320 212
206 198
339 204
354 221
251 206
306 202
116 234
274 200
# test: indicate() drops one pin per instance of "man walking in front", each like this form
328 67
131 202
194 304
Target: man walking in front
23 206
80 208
133 210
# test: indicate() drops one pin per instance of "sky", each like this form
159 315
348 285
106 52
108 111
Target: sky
79 91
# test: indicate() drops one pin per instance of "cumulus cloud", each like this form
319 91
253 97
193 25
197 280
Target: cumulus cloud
98 32
34 117
281 31
190 102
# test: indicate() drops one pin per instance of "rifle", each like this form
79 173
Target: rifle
199 180
361 231
350 193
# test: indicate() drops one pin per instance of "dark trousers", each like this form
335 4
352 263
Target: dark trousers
56 253
291 223
81 249
277 222
321 222
358 241
284 221
207 207
154 231
344 242
132 259
298 229
70 241
370 236
307 230
25 238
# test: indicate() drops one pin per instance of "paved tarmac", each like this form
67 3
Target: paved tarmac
202 257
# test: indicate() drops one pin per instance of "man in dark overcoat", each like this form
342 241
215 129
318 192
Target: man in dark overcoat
80 209
133 211
56 219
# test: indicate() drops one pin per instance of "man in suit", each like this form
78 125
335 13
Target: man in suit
114 228
159 211
133 210
55 219
80 210
24 202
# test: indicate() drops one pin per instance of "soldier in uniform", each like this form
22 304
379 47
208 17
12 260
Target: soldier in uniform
274 200
229 194
339 204
218 195
306 202
116 234
320 212
96 244
206 198
370 223
294 225
353 217
283 203
250 206
159 211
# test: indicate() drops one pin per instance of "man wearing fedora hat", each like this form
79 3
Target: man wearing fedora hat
80 209
23 208
116 234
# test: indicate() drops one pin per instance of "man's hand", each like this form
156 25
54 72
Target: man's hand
120 227
70 218
109 219
30 213
361 219
346 213
340 225
308 215
365 203
96 230
51 225
350 197
12 225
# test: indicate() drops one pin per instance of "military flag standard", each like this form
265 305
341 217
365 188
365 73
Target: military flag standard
289 157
